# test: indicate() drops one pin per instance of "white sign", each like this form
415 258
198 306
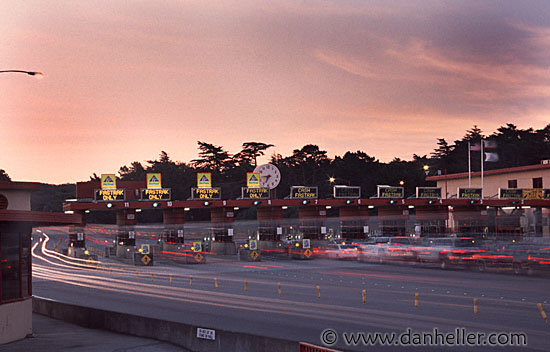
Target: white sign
229 232
279 230
131 234
323 230
180 233
80 236
206 334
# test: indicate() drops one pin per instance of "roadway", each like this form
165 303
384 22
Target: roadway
187 293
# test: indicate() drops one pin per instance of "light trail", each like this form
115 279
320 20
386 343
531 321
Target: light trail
79 275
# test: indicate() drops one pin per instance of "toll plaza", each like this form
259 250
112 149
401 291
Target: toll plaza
353 217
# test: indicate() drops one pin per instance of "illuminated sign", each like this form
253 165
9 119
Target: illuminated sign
510 193
346 192
204 179
252 179
254 193
206 193
109 194
533 193
390 192
154 181
428 192
469 193
299 192
108 181
156 194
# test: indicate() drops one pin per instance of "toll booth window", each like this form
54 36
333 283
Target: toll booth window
537 182
512 183
10 249
25 266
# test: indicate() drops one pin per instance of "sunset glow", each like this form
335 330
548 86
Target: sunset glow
125 80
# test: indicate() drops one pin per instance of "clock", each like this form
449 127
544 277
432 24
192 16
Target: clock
270 176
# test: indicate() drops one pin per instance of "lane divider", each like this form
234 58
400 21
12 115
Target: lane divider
475 305
318 292
279 287
364 293
416 300
542 312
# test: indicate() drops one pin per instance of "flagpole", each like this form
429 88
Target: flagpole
469 167
482 160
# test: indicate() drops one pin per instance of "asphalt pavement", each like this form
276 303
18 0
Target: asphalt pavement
55 335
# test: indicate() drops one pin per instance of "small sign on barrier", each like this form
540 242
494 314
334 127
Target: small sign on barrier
207 334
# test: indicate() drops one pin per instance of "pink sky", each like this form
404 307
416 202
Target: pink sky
127 79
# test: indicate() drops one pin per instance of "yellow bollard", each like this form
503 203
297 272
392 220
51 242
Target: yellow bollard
416 300
152 276
279 287
121 271
215 282
245 285
364 292
170 278
190 280
137 274
475 305
110 271
542 313
318 291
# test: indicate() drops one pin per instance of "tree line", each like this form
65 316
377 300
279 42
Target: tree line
311 166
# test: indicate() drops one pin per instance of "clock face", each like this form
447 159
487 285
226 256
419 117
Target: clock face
270 176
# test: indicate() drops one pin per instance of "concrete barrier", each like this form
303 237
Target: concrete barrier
180 334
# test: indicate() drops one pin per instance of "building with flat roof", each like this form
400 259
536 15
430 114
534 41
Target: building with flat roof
524 177
524 182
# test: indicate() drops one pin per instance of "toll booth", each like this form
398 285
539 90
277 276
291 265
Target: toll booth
16 226
470 221
125 240
173 220
77 242
508 224
269 220
393 220
312 222
354 222
222 220
431 220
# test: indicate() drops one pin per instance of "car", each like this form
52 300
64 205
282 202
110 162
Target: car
341 251
448 251
370 250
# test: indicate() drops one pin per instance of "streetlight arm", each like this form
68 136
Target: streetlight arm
30 73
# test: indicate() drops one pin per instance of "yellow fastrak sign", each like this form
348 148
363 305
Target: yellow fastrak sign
252 179
204 180
154 181
108 181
